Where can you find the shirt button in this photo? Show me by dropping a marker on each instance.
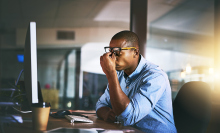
(127, 87)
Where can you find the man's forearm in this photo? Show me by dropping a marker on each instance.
(101, 112)
(118, 98)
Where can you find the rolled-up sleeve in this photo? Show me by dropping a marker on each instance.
(104, 100)
(144, 100)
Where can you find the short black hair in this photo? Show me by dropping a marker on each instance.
(130, 37)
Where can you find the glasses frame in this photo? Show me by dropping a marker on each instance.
(111, 49)
(126, 48)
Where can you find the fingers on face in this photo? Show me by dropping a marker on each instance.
(107, 54)
(113, 56)
(104, 55)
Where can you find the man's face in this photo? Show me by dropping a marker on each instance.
(125, 60)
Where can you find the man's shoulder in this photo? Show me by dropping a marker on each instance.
(150, 70)
(147, 65)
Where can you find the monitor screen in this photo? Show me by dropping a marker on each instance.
(30, 64)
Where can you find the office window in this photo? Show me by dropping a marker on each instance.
(181, 42)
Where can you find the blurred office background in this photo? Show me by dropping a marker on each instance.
(71, 35)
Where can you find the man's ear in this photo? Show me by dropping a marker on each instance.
(136, 53)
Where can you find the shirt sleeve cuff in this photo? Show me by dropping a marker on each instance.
(125, 113)
(99, 106)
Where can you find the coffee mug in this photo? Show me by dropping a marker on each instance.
(40, 115)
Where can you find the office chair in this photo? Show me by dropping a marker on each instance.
(192, 107)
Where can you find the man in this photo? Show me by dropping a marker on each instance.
(138, 92)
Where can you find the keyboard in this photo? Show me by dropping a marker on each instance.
(73, 118)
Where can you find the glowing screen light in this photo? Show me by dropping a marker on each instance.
(20, 57)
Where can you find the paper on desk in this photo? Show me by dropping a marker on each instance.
(119, 131)
(112, 131)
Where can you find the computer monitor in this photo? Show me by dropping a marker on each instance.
(30, 65)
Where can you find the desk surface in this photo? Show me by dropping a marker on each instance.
(54, 123)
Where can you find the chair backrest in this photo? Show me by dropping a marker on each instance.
(192, 107)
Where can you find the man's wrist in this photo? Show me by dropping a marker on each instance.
(111, 74)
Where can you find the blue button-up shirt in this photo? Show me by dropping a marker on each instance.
(150, 107)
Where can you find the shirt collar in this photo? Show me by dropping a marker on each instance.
(137, 70)
(142, 64)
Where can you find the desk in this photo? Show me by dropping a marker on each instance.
(26, 127)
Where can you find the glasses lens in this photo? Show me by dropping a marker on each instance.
(116, 51)
(107, 49)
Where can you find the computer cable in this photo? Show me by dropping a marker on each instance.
(20, 110)
(19, 76)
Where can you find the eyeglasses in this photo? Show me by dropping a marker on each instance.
(117, 50)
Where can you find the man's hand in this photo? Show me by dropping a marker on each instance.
(106, 114)
(107, 62)
(110, 116)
